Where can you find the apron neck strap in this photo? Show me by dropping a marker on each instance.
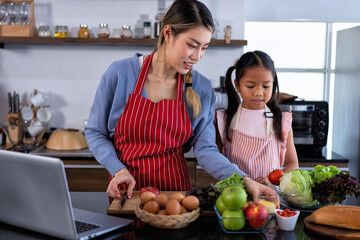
(143, 74)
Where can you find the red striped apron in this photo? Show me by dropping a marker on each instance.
(149, 138)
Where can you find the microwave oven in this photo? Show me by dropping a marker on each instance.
(310, 121)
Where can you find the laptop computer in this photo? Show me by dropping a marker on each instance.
(35, 196)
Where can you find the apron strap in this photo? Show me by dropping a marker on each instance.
(143, 74)
(180, 87)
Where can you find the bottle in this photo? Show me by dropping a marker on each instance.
(83, 32)
(126, 32)
(147, 29)
(158, 22)
(104, 31)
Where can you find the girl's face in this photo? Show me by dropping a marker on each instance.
(187, 48)
(255, 87)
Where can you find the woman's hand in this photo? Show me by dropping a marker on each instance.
(121, 177)
(255, 189)
(266, 182)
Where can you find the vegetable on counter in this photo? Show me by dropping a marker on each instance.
(297, 184)
(320, 172)
(233, 180)
(274, 176)
(336, 188)
(206, 195)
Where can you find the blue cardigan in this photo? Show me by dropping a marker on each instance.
(116, 84)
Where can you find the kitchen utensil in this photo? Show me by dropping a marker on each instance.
(37, 99)
(331, 232)
(14, 122)
(123, 199)
(62, 139)
(10, 102)
(43, 114)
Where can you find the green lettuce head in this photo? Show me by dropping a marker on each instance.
(296, 185)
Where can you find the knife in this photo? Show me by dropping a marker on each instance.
(10, 101)
(17, 103)
(124, 197)
(13, 102)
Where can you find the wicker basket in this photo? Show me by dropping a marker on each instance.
(167, 221)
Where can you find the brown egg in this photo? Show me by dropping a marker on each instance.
(191, 202)
(161, 199)
(162, 212)
(173, 207)
(177, 196)
(147, 196)
(183, 210)
(151, 207)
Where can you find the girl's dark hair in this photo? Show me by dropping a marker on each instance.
(182, 16)
(252, 59)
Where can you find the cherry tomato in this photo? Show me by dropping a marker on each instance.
(286, 213)
(274, 176)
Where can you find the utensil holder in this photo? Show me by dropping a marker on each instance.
(28, 30)
(15, 131)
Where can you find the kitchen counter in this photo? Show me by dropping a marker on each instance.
(202, 229)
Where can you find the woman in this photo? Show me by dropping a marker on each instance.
(149, 110)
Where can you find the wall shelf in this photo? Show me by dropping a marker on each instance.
(103, 41)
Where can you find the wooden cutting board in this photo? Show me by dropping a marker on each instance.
(331, 232)
(130, 204)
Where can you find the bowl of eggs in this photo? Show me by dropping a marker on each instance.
(168, 211)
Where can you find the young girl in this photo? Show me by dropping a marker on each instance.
(254, 133)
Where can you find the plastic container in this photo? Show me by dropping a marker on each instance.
(84, 32)
(286, 223)
(104, 31)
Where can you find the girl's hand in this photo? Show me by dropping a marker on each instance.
(121, 177)
(266, 182)
(255, 189)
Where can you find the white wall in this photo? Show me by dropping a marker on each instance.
(69, 74)
(318, 10)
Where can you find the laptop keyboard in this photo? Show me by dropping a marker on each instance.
(83, 226)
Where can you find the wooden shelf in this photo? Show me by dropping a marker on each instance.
(103, 41)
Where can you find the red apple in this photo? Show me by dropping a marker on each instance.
(149, 189)
(257, 215)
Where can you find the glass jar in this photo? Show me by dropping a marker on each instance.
(44, 31)
(104, 31)
(61, 31)
(147, 29)
(84, 32)
(126, 32)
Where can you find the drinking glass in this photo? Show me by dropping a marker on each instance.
(13, 13)
(3, 13)
(24, 13)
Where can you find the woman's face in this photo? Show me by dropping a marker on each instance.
(255, 87)
(185, 49)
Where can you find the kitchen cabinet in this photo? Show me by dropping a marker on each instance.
(103, 41)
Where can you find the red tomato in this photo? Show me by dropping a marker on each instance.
(274, 176)
(286, 213)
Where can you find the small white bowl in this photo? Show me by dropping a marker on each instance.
(286, 223)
